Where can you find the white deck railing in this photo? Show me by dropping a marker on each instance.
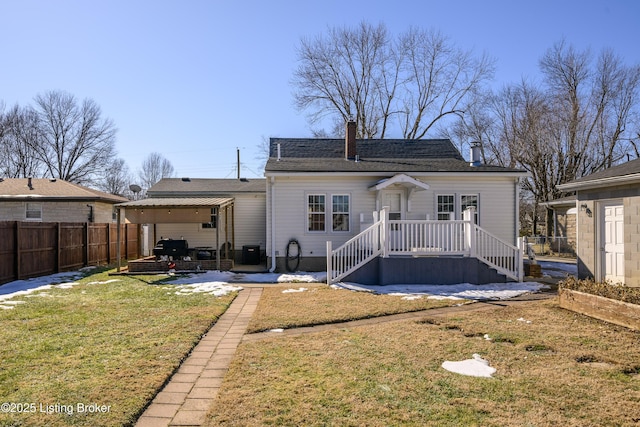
(423, 238)
(355, 252)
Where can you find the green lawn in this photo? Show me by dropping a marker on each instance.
(97, 353)
(554, 368)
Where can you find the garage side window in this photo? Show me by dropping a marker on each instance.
(315, 212)
(33, 212)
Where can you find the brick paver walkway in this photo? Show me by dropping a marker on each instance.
(187, 397)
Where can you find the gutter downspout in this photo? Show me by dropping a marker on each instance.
(272, 193)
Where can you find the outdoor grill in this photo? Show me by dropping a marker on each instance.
(171, 248)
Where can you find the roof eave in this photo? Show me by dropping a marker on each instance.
(600, 183)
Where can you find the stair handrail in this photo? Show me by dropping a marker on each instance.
(496, 253)
(355, 252)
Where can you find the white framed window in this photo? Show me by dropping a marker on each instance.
(33, 212)
(451, 206)
(340, 208)
(446, 207)
(316, 212)
(469, 200)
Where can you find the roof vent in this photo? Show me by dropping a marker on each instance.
(186, 179)
(52, 180)
(29, 183)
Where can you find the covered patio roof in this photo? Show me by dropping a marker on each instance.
(178, 202)
(186, 210)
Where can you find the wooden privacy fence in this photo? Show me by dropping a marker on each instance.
(32, 249)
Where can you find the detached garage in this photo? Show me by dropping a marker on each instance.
(608, 224)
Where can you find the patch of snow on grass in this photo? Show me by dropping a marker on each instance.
(475, 367)
(25, 287)
(289, 291)
(212, 282)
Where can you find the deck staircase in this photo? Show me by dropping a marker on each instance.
(422, 238)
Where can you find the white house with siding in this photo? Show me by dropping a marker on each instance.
(329, 190)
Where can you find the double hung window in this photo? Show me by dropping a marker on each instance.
(319, 214)
(452, 206)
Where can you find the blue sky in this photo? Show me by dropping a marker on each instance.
(194, 80)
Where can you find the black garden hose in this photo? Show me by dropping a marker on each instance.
(295, 257)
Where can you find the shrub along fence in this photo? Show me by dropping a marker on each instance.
(32, 249)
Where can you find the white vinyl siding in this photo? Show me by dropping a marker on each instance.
(496, 205)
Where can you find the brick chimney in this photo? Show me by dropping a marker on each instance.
(350, 141)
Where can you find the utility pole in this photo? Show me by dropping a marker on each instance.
(238, 153)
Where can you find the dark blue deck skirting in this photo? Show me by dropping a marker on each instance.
(425, 270)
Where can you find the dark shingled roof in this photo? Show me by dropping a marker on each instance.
(167, 187)
(374, 155)
(629, 168)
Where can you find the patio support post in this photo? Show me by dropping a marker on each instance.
(226, 231)
(217, 210)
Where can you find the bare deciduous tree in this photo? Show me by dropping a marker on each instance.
(116, 179)
(74, 141)
(411, 82)
(154, 168)
(582, 119)
(593, 103)
(19, 133)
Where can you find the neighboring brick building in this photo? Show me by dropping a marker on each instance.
(54, 200)
(608, 223)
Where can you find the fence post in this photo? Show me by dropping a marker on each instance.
(329, 262)
(85, 261)
(18, 263)
(108, 226)
(58, 248)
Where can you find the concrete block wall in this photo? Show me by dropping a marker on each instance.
(632, 241)
(586, 232)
